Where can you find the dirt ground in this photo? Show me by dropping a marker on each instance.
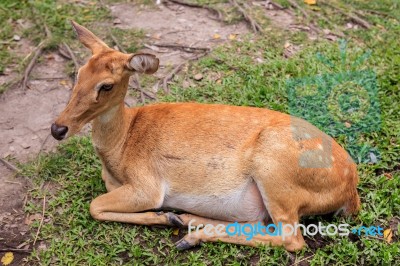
(26, 115)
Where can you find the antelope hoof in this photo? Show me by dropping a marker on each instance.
(174, 220)
(183, 244)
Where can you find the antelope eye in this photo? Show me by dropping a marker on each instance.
(106, 87)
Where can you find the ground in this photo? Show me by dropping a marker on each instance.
(231, 64)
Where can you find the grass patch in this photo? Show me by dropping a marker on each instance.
(234, 75)
(28, 20)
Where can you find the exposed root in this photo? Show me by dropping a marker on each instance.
(143, 93)
(254, 25)
(356, 19)
(193, 5)
(9, 165)
(38, 51)
(312, 27)
(43, 143)
(41, 220)
(73, 57)
(18, 250)
(295, 5)
(176, 70)
(170, 76)
(184, 48)
(142, 99)
(120, 47)
(275, 5)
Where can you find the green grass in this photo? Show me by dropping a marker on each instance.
(29, 19)
(232, 75)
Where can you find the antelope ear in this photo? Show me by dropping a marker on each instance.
(144, 63)
(87, 38)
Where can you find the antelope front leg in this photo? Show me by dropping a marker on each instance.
(123, 204)
(110, 182)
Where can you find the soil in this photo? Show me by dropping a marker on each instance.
(178, 25)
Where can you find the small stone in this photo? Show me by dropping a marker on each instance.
(117, 21)
(259, 60)
(16, 38)
(198, 76)
(373, 158)
(12, 148)
(25, 145)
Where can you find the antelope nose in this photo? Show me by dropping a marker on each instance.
(58, 132)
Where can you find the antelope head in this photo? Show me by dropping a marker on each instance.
(101, 84)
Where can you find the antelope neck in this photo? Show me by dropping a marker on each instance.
(108, 128)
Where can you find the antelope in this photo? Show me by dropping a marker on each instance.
(214, 164)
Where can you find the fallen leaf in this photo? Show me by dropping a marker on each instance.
(232, 37)
(347, 124)
(7, 258)
(156, 36)
(388, 175)
(64, 82)
(175, 232)
(287, 45)
(310, 2)
(387, 235)
(216, 36)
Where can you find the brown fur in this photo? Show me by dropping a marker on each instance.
(220, 163)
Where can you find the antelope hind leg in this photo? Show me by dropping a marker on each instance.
(292, 241)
